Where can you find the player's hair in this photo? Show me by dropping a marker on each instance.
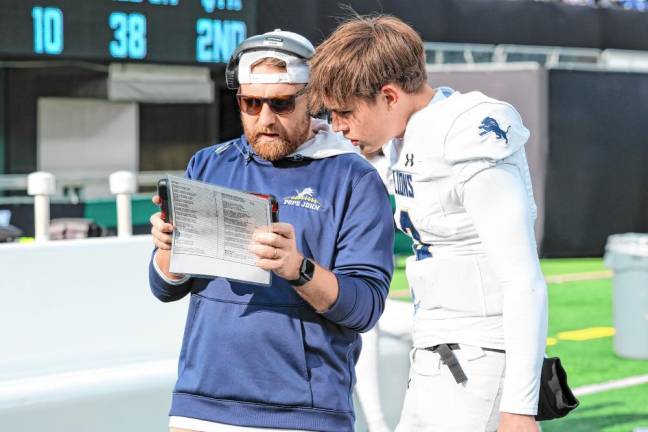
(362, 55)
(270, 62)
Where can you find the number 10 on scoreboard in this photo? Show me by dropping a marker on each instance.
(48, 30)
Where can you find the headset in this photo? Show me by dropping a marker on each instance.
(276, 40)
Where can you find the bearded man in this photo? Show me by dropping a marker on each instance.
(282, 357)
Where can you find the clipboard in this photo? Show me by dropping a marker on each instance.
(213, 227)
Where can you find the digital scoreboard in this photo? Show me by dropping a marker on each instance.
(155, 31)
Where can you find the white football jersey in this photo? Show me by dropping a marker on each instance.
(475, 277)
(445, 144)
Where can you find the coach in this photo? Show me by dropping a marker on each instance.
(282, 357)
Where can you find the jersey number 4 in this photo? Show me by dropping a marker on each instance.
(422, 250)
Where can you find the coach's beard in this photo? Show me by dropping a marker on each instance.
(280, 144)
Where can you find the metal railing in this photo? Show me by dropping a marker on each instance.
(18, 182)
(440, 53)
(41, 186)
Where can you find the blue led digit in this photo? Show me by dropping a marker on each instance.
(129, 32)
(37, 15)
(119, 46)
(204, 40)
(53, 34)
(48, 30)
(137, 36)
(238, 33)
(221, 41)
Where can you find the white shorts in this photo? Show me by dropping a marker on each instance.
(434, 402)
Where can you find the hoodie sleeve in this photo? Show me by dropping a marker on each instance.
(364, 262)
(163, 288)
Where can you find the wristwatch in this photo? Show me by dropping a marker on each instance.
(306, 272)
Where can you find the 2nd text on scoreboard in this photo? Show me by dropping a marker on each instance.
(153, 31)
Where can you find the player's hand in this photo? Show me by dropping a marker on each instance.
(517, 423)
(160, 230)
(276, 250)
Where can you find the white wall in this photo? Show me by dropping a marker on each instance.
(87, 136)
(85, 345)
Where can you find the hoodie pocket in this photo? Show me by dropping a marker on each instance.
(242, 352)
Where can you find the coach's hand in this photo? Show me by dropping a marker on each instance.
(160, 230)
(276, 250)
(517, 423)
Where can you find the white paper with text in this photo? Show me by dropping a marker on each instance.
(213, 230)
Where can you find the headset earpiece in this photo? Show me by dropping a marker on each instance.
(231, 71)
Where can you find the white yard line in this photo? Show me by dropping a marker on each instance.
(611, 385)
(574, 277)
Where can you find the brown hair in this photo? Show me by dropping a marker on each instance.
(270, 62)
(362, 55)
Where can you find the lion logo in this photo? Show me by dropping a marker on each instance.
(306, 193)
(489, 124)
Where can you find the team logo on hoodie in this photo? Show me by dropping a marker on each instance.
(304, 199)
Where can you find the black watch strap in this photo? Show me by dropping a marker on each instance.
(306, 272)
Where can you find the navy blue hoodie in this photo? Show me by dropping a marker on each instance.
(261, 356)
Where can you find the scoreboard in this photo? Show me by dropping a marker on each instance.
(156, 31)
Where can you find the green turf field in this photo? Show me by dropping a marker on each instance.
(552, 267)
(585, 305)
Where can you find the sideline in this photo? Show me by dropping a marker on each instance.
(574, 277)
(611, 385)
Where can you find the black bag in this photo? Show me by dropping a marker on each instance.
(75, 228)
(9, 233)
(556, 398)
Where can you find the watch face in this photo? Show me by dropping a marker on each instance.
(308, 269)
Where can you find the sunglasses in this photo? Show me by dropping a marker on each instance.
(280, 105)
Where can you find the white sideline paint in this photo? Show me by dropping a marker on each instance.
(611, 385)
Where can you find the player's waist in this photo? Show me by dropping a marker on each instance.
(458, 286)
(439, 326)
(448, 248)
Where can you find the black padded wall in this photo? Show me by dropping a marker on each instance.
(597, 178)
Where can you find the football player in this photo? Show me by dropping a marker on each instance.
(463, 193)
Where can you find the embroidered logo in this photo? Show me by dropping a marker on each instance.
(409, 159)
(489, 124)
(304, 199)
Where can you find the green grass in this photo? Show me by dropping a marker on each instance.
(579, 305)
(550, 267)
(620, 410)
(399, 280)
(575, 306)
(558, 266)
